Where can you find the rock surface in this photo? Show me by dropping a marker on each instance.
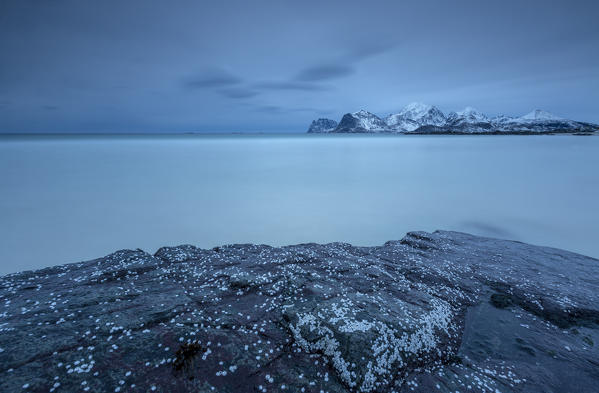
(322, 125)
(360, 122)
(441, 312)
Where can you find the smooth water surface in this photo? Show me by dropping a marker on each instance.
(66, 199)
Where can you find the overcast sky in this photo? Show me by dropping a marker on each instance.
(230, 66)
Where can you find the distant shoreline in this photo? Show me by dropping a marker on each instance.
(382, 133)
(471, 133)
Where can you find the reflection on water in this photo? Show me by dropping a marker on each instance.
(66, 199)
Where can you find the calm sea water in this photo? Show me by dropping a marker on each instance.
(67, 199)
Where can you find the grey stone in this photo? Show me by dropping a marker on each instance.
(442, 311)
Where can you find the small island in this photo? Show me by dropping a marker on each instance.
(418, 118)
(442, 311)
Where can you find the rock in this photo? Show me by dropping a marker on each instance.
(440, 311)
(360, 122)
(322, 126)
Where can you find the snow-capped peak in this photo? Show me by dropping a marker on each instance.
(368, 121)
(472, 115)
(538, 114)
(416, 108)
(422, 114)
(467, 111)
(362, 113)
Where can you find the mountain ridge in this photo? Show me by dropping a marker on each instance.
(419, 118)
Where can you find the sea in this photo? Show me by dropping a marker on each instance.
(70, 198)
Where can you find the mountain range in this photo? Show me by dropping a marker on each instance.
(419, 118)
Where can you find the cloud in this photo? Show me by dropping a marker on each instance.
(369, 50)
(231, 86)
(291, 85)
(324, 72)
(281, 109)
(343, 67)
(212, 79)
(238, 92)
(271, 109)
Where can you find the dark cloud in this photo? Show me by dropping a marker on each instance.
(280, 109)
(325, 72)
(212, 79)
(291, 85)
(274, 109)
(50, 107)
(238, 92)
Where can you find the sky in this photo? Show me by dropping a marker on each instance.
(274, 66)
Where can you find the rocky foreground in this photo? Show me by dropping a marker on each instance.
(433, 312)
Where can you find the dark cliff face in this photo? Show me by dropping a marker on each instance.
(361, 122)
(433, 312)
(322, 125)
(349, 124)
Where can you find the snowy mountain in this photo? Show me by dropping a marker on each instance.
(540, 121)
(361, 121)
(418, 118)
(322, 125)
(399, 123)
(471, 115)
(415, 115)
(423, 114)
(469, 120)
(538, 114)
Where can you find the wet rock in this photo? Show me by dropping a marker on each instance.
(442, 311)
